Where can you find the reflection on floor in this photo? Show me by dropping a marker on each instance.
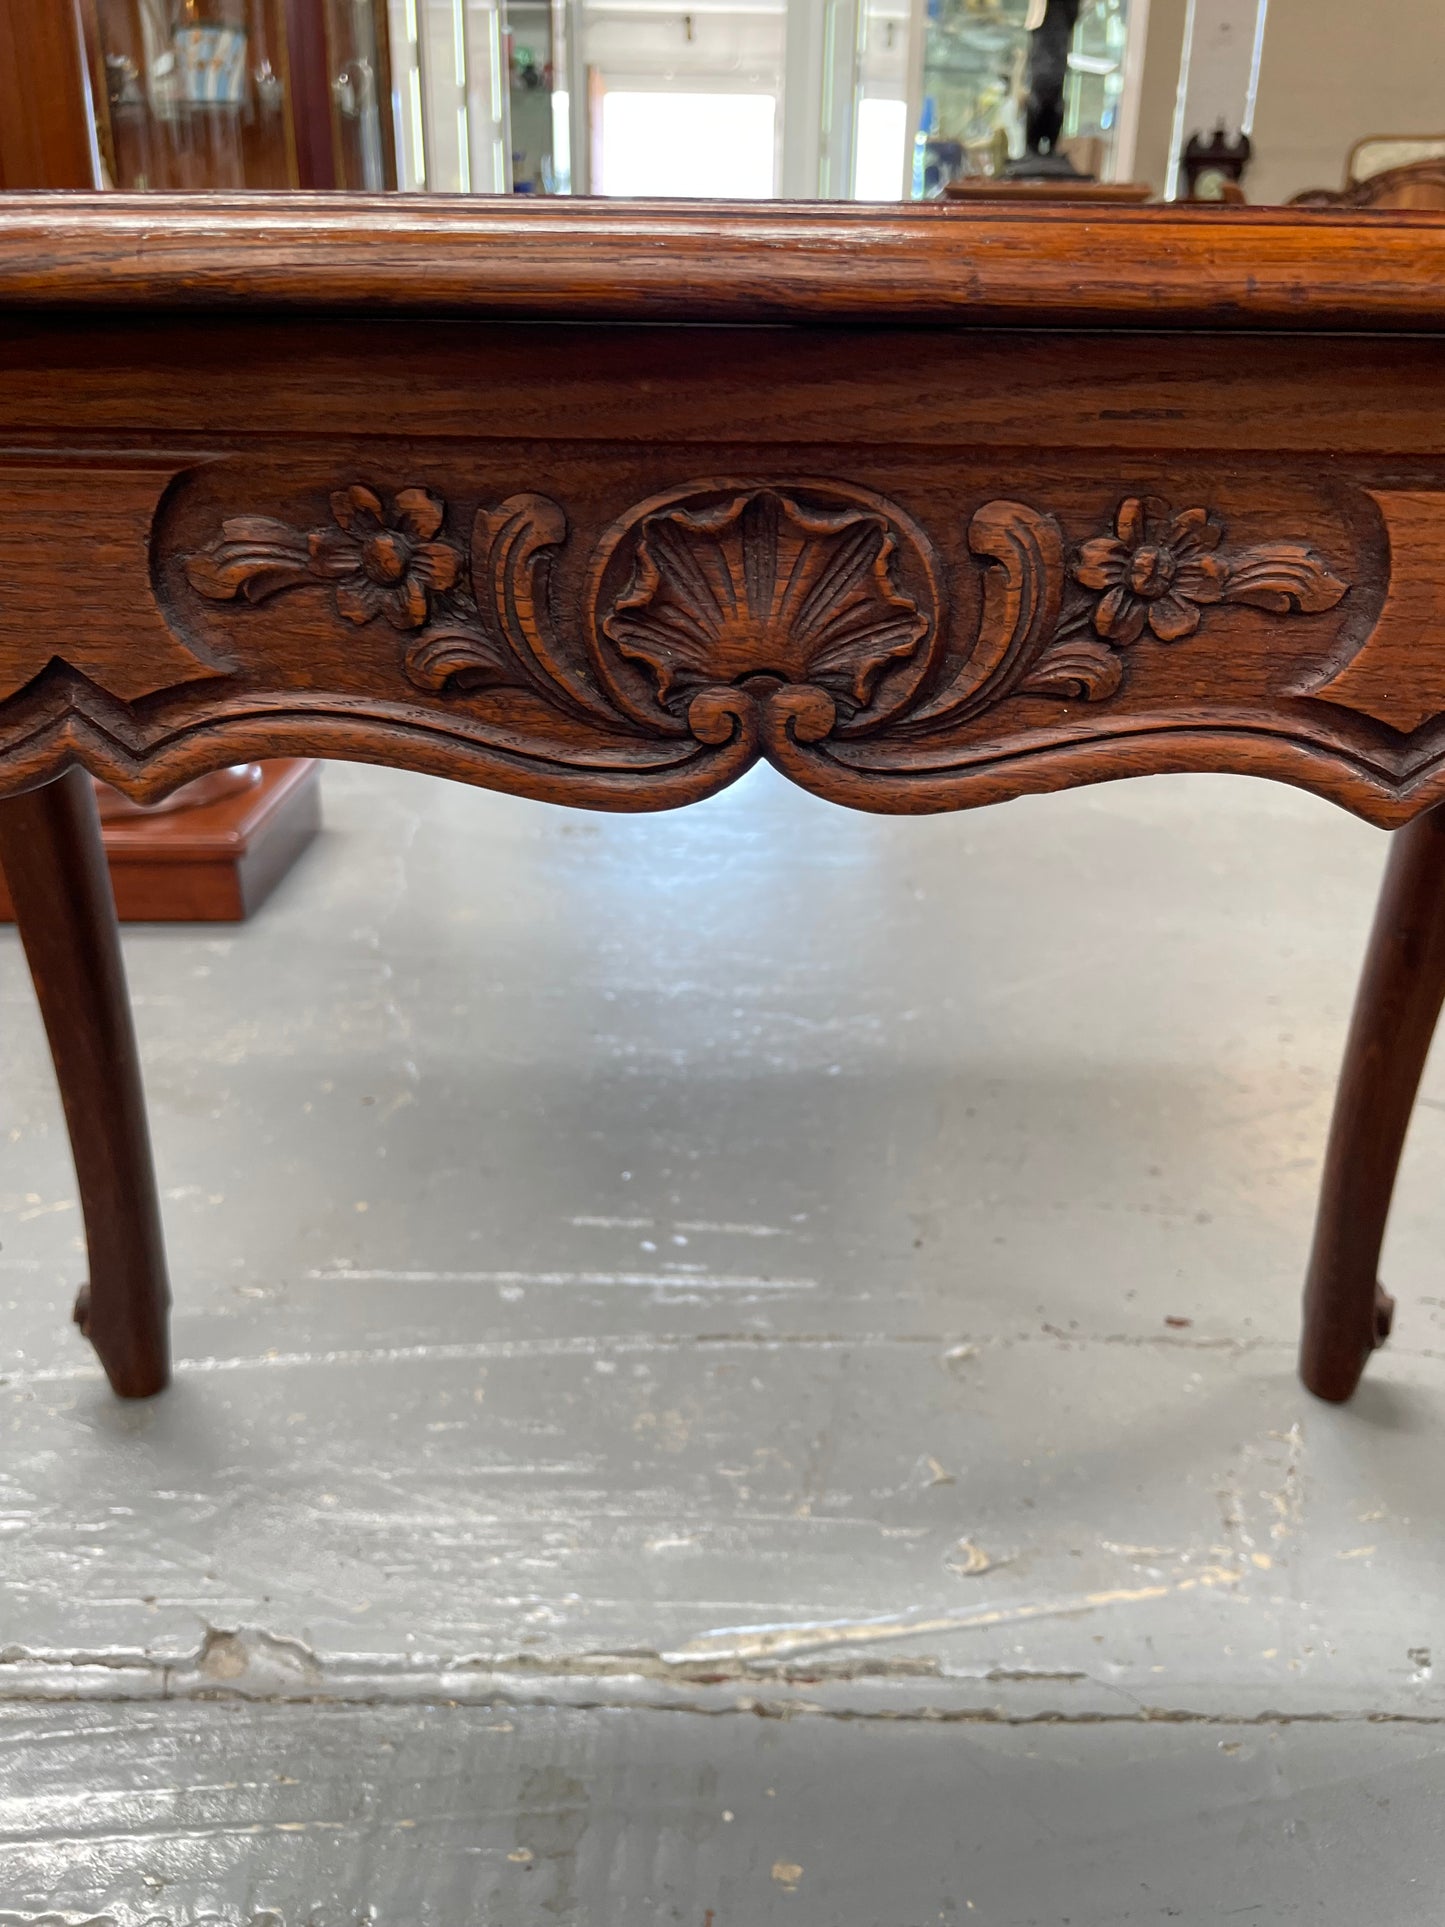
(734, 1368)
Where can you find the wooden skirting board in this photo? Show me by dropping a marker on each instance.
(215, 863)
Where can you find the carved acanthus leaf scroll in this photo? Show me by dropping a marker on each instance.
(781, 614)
(256, 557)
(1077, 669)
(1021, 597)
(495, 641)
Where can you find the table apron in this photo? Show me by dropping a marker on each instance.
(915, 570)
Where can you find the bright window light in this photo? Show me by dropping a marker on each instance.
(878, 164)
(561, 142)
(712, 146)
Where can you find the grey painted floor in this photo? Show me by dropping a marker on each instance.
(761, 1312)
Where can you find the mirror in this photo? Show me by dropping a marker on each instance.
(744, 100)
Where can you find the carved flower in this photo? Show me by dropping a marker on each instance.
(1157, 568)
(762, 586)
(384, 562)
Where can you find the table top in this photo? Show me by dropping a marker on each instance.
(1048, 266)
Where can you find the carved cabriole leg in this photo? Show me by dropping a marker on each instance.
(1401, 990)
(50, 851)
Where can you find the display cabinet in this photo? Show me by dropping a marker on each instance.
(232, 94)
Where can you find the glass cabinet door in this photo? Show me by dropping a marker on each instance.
(358, 72)
(198, 94)
(195, 93)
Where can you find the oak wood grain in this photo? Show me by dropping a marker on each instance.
(813, 262)
(598, 504)
(220, 380)
(55, 869)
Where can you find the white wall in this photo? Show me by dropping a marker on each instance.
(1331, 72)
(1334, 71)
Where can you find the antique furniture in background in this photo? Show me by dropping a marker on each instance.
(940, 506)
(1214, 166)
(207, 94)
(47, 126)
(1389, 171)
(217, 854)
(198, 94)
(220, 846)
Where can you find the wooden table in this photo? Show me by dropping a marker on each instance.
(597, 503)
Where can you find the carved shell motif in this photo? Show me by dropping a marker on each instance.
(764, 615)
(761, 586)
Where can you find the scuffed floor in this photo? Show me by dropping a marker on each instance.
(338, 1815)
(757, 1298)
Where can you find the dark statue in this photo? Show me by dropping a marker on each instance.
(1049, 45)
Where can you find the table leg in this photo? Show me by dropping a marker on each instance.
(50, 851)
(1402, 986)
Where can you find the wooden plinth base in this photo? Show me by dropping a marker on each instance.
(216, 863)
(1025, 193)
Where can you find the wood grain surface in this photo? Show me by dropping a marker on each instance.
(807, 262)
(558, 530)
(978, 502)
